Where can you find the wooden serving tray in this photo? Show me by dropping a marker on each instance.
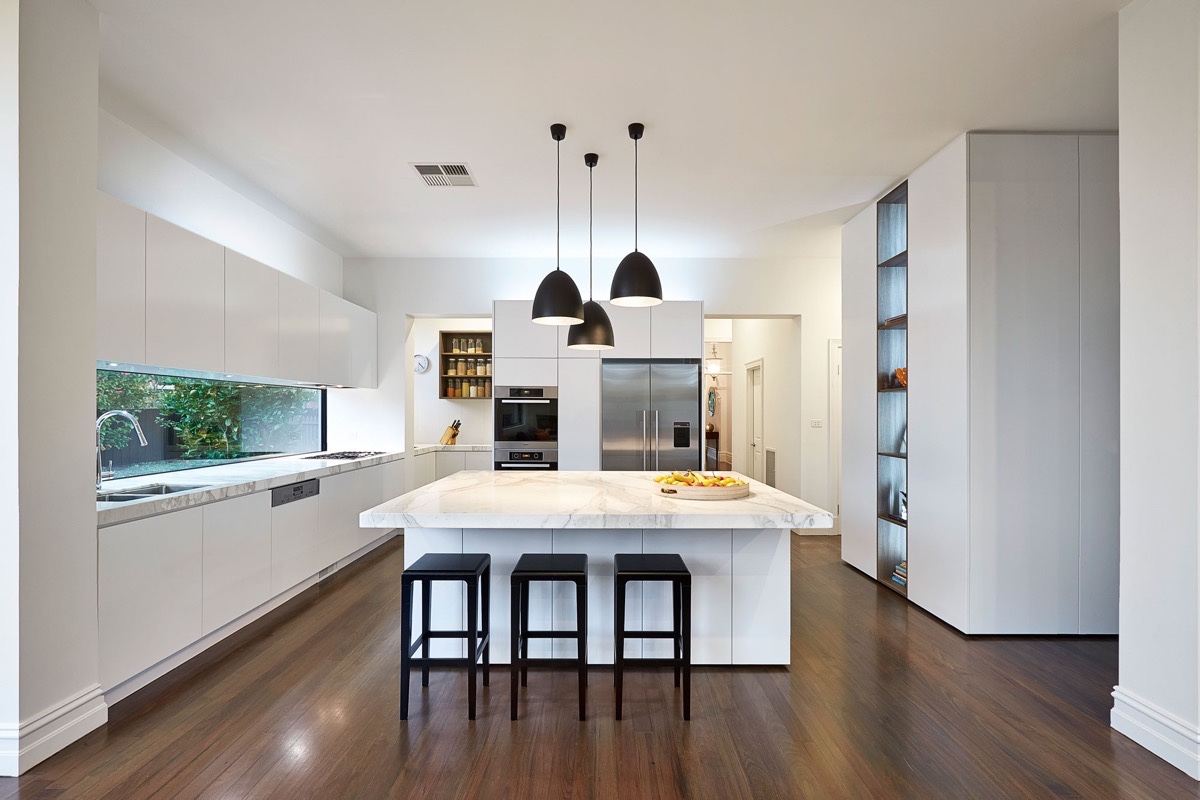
(703, 492)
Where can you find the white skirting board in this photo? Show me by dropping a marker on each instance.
(1167, 736)
(44, 734)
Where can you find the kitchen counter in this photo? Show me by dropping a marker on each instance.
(738, 551)
(224, 482)
(422, 449)
(567, 499)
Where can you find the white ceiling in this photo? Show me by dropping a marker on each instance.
(767, 123)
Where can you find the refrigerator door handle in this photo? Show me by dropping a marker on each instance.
(657, 443)
(644, 467)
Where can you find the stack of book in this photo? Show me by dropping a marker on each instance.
(900, 574)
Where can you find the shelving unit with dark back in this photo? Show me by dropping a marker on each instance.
(450, 378)
(892, 397)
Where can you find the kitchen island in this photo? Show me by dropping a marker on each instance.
(737, 550)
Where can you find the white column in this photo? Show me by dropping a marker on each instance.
(49, 673)
(1157, 702)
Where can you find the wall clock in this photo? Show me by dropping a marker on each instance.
(420, 363)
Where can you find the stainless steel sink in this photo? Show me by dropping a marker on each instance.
(144, 492)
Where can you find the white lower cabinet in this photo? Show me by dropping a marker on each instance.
(479, 460)
(339, 505)
(297, 547)
(237, 558)
(149, 591)
(709, 558)
(449, 463)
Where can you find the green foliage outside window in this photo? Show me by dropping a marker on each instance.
(211, 419)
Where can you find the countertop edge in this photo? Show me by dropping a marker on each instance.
(109, 514)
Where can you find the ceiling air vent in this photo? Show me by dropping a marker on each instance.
(445, 174)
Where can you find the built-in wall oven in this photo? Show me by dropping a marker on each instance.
(526, 427)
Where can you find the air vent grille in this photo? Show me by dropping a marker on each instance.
(445, 174)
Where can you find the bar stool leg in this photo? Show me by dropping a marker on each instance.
(406, 597)
(514, 644)
(427, 643)
(487, 625)
(619, 640)
(686, 591)
(472, 642)
(676, 644)
(581, 638)
(524, 630)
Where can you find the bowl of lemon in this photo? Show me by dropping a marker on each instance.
(701, 486)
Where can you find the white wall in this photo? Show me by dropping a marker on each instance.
(398, 288)
(1158, 698)
(431, 414)
(10, 283)
(135, 168)
(59, 698)
(778, 343)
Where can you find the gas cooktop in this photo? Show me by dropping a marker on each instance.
(348, 454)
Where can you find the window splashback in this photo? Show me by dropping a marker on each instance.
(196, 422)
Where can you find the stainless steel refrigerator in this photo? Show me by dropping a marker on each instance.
(650, 415)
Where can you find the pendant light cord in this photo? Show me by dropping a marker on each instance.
(589, 233)
(635, 195)
(558, 210)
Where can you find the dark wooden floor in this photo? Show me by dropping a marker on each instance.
(881, 701)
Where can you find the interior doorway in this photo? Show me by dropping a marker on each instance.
(755, 419)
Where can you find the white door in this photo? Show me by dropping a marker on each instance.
(835, 433)
(754, 420)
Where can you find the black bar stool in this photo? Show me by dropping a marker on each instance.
(473, 569)
(656, 567)
(548, 567)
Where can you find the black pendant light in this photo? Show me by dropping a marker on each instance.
(595, 332)
(636, 283)
(557, 301)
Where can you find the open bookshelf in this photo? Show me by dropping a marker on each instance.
(892, 394)
(465, 365)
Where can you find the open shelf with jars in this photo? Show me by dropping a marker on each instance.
(892, 386)
(465, 365)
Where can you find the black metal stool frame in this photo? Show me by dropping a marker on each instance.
(681, 613)
(478, 637)
(541, 567)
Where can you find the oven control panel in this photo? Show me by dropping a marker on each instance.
(526, 455)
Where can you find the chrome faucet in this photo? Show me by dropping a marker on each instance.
(100, 475)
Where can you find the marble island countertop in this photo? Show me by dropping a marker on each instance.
(560, 500)
(223, 482)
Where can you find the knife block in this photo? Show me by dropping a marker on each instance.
(449, 436)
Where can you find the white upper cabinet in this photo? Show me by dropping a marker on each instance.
(631, 331)
(251, 317)
(185, 298)
(335, 366)
(120, 281)
(299, 330)
(677, 330)
(516, 335)
(674, 329)
(363, 347)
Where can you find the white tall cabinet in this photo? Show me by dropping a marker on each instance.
(1013, 385)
